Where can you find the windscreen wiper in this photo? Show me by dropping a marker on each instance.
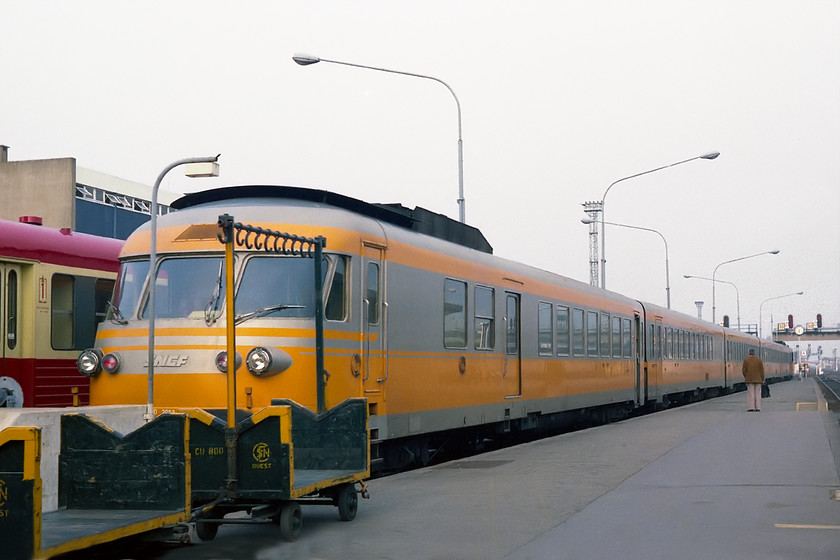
(264, 311)
(211, 310)
(116, 316)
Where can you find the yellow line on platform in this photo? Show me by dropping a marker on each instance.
(788, 526)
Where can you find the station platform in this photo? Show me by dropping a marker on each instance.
(707, 480)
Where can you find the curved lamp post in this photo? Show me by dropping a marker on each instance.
(306, 60)
(667, 273)
(760, 320)
(774, 252)
(711, 155)
(737, 295)
(200, 167)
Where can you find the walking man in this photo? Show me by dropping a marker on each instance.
(753, 370)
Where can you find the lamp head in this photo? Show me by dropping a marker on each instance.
(305, 59)
(587, 221)
(776, 252)
(711, 155)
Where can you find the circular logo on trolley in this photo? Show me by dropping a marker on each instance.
(261, 452)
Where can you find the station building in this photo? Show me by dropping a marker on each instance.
(62, 194)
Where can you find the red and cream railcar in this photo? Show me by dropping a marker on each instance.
(419, 317)
(54, 289)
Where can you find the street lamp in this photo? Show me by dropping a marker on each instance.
(198, 167)
(711, 155)
(760, 320)
(667, 273)
(774, 252)
(737, 295)
(306, 60)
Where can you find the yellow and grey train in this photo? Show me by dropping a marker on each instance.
(417, 316)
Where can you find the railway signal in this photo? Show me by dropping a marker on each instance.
(790, 321)
(819, 320)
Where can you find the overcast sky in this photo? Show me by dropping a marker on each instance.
(558, 98)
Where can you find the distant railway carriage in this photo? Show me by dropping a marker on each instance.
(439, 335)
(54, 289)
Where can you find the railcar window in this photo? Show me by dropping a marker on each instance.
(649, 341)
(563, 330)
(669, 343)
(605, 335)
(11, 309)
(485, 318)
(626, 338)
(512, 316)
(185, 286)
(592, 332)
(129, 289)
(270, 281)
(102, 289)
(545, 334)
(372, 290)
(454, 314)
(336, 306)
(61, 314)
(577, 332)
(658, 342)
(616, 337)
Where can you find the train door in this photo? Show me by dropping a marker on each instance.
(513, 347)
(10, 330)
(655, 349)
(374, 321)
(641, 375)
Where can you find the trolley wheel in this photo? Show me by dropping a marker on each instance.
(206, 531)
(291, 521)
(347, 502)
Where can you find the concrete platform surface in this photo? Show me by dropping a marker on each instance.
(704, 481)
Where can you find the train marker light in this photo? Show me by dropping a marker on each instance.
(221, 361)
(89, 362)
(111, 362)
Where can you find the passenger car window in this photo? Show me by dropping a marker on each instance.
(454, 314)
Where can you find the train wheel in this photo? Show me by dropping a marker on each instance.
(347, 502)
(206, 531)
(291, 521)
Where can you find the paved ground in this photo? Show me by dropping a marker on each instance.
(705, 481)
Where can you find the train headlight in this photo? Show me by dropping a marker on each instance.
(264, 362)
(89, 361)
(111, 362)
(221, 361)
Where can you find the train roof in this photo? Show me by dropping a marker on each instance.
(418, 219)
(58, 246)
